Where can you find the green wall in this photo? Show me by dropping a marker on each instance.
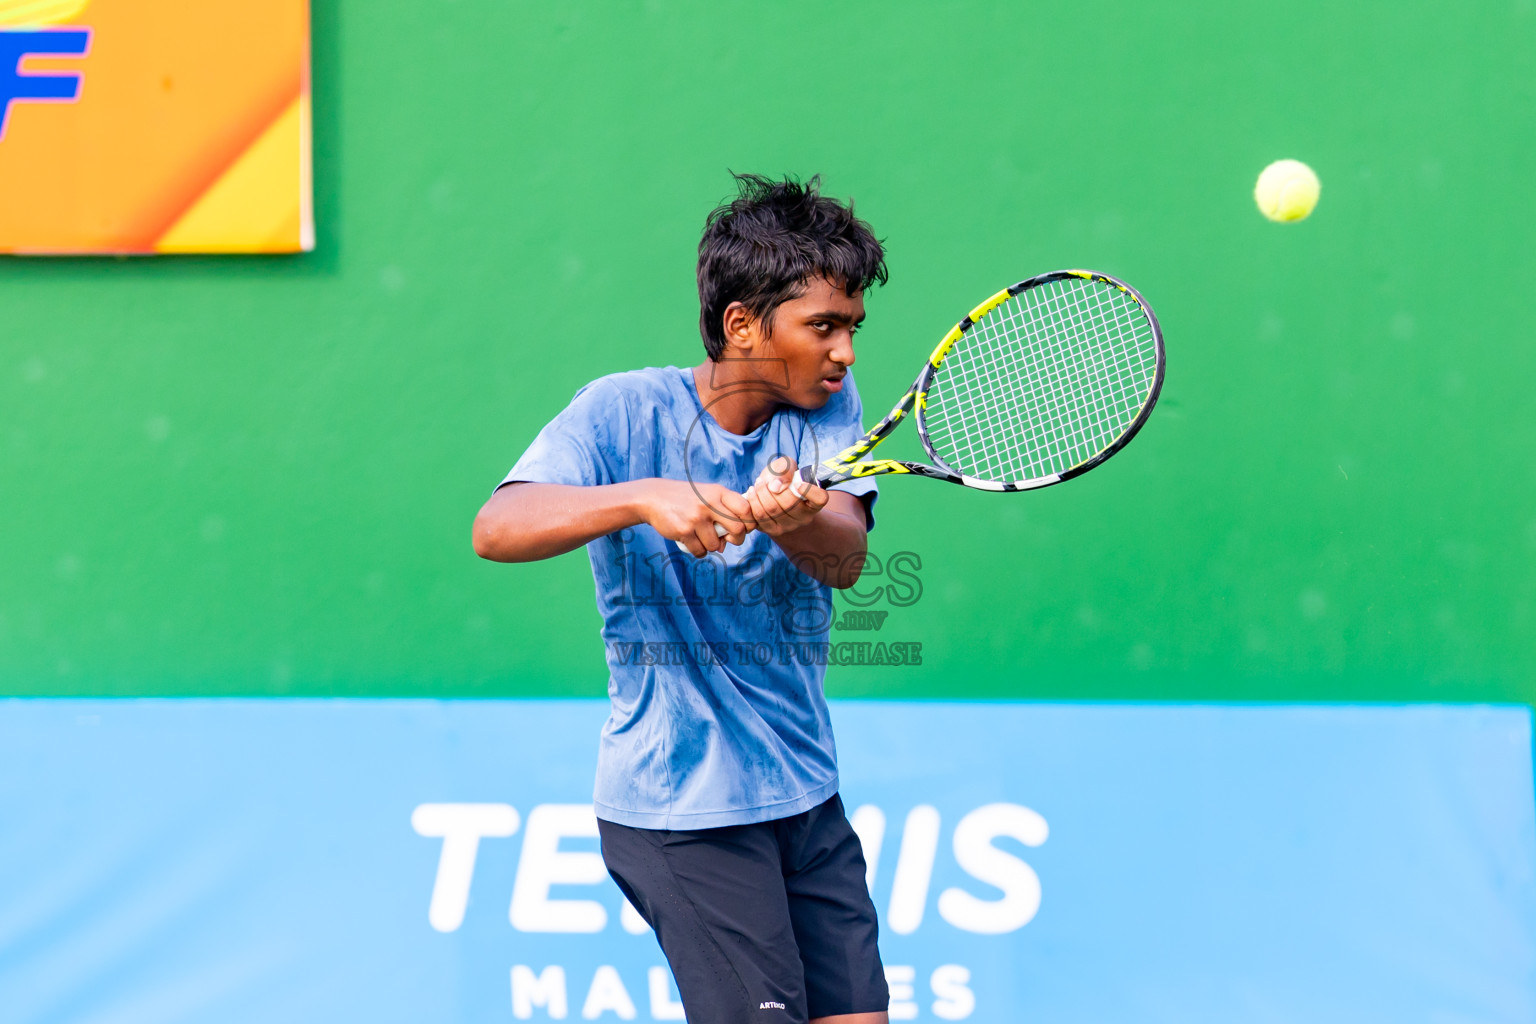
(257, 476)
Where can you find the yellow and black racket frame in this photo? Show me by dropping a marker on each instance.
(851, 464)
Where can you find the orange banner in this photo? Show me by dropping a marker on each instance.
(144, 126)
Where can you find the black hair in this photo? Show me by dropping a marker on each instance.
(762, 247)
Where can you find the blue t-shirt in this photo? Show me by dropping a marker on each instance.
(715, 664)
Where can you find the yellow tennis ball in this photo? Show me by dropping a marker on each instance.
(1287, 190)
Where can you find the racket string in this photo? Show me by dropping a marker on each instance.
(1041, 384)
(1080, 372)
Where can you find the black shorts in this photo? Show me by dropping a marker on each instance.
(768, 923)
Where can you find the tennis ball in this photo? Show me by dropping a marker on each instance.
(1287, 190)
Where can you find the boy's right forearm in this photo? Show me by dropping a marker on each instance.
(525, 522)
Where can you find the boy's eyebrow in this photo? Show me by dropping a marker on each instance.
(842, 318)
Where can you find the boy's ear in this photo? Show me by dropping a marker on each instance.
(740, 327)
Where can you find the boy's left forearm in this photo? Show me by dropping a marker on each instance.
(831, 546)
(823, 532)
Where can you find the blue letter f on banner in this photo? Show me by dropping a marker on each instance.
(47, 87)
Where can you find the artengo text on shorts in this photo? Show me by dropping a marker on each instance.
(542, 865)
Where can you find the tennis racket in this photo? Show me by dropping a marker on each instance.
(1040, 383)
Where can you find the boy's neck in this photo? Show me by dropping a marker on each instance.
(740, 394)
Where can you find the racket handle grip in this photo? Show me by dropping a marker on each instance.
(719, 532)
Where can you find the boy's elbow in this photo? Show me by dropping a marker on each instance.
(844, 580)
(850, 567)
(512, 526)
(488, 536)
(480, 537)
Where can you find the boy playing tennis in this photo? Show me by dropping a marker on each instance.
(717, 790)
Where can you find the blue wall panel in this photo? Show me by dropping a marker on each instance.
(234, 861)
